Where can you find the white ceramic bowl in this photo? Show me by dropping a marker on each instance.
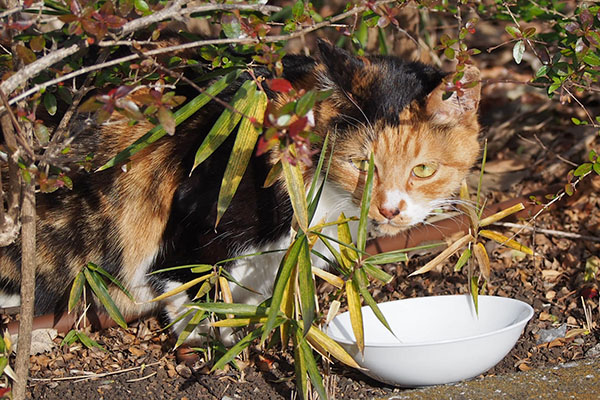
(442, 338)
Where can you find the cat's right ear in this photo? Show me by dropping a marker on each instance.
(341, 66)
(455, 109)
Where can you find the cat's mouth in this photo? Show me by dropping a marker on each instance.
(387, 228)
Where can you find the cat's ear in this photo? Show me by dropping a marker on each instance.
(341, 66)
(455, 109)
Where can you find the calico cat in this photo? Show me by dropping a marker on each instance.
(155, 214)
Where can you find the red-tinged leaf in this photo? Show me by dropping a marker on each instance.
(569, 189)
(589, 292)
(5, 391)
(167, 120)
(297, 126)
(280, 85)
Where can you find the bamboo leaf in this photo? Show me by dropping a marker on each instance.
(295, 186)
(388, 258)
(285, 270)
(377, 273)
(501, 214)
(180, 115)
(3, 364)
(475, 293)
(328, 277)
(242, 310)
(443, 256)
(226, 122)
(311, 366)
(76, 290)
(99, 288)
(375, 308)
(226, 292)
(237, 349)
(344, 235)
(498, 237)
(238, 322)
(361, 240)
(356, 319)
(334, 307)
(189, 328)
(306, 286)
(111, 278)
(319, 338)
(181, 288)
(241, 153)
(273, 175)
(464, 257)
(69, 338)
(313, 186)
(87, 341)
(202, 268)
(300, 369)
(205, 288)
(287, 305)
(483, 260)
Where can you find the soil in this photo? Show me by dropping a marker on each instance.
(532, 144)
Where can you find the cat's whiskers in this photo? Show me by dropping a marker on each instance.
(371, 130)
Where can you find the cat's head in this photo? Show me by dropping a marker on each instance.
(423, 146)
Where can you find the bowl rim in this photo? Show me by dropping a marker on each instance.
(520, 321)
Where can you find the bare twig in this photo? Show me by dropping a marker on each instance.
(551, 232)
(91, 376)
(268, 39)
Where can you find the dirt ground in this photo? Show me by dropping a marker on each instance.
(532, 144)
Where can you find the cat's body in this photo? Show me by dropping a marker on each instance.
(155, 215)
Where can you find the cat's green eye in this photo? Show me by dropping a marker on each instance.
(425, 170)
(360, 164)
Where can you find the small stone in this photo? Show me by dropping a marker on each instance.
(594, 351)
(183, 370)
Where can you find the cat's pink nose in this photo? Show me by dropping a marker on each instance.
(389, 213)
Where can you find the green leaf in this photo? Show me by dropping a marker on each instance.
(99, 288)
(300, 368)
(306, 103)
(311, 366)
(202, 268)
(377, 273)
(375, 308)
(388, 257)
(314, 200)
(226, 122)
(285, 270)
(513, 31)
(583, 169)
(596, 168)
(306, 286)
(189, 328)
(475, 293)
(296, 191)
(273, 175)
(180, 115)
(241, 153)
(50, 103)
(365, 203)
(114, 280)
(542, 71)
(76, 290)
(87, 341)
(3, 364)
(69, 338)
(298, 9)
(518, 51)
(464, 257)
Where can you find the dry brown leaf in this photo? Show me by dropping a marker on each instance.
(550, 275)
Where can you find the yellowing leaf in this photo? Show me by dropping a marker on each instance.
(328, 277)
(498, 237)
(483, 260)
(296, 190)
(237, 322)
(181, 288)
(315, 335)
(356, 318)
(444, 255)
(501, 214)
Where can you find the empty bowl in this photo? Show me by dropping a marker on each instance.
(438, 339)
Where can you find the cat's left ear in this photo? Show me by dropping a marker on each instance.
(341, 65)
(455, 109)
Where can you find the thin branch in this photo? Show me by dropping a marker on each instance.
(268, 39)
(92, 375)
(551, 232)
